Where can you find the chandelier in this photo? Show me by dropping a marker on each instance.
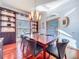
(35, 15)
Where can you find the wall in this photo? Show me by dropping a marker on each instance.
(42, 25)
(71, 10)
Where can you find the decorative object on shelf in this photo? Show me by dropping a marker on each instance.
(8, 25)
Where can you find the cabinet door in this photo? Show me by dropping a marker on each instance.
(51, 28)
(22, 26)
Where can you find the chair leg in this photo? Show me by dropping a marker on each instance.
(44, 54)
(21, 44)
(48, 57)
(26, 52)
(65, 56)
(23, 50)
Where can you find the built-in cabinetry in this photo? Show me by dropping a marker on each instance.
(7, 25)
(25, 26)
(14, 24)
(52, 29)
(22, 25)
(34, 26)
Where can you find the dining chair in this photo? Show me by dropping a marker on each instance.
(23, 43)
(33, 46)
(58, 50)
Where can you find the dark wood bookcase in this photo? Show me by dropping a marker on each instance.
(34, 26)
(8, 25)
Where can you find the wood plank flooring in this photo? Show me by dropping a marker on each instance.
(9, 52)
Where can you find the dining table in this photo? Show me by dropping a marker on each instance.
(44, 41)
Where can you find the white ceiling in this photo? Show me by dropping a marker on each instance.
(25, 5)
(28, 5)
(51, 5)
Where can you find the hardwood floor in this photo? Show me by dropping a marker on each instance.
(9, 52)
(40, 56)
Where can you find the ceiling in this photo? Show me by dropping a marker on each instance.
(25, 5)
(51, 5)
(28, 5)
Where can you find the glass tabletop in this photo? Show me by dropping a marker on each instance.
(44, 39)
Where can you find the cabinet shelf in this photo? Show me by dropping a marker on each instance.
(7, 20)
(6, 29)
(7, 15)
(8, 26)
